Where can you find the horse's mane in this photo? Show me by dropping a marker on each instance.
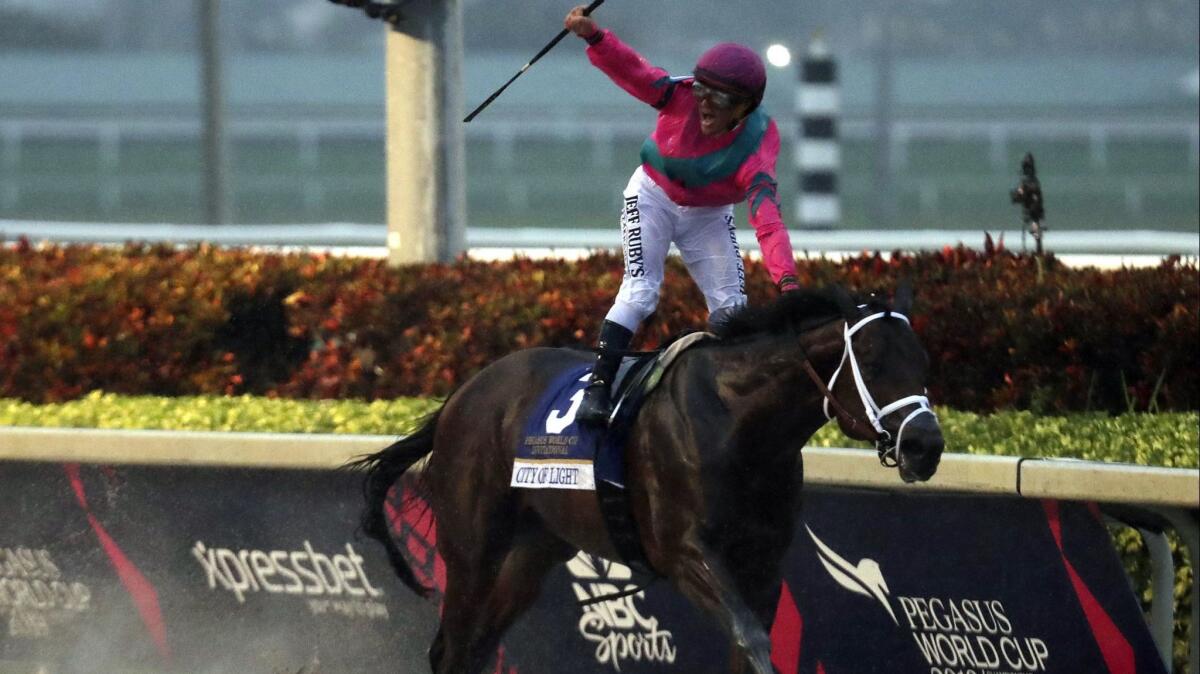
(790, 313)
(787, 314)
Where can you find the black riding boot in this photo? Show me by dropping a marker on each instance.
(596, 407)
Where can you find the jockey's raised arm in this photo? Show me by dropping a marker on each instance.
(630, 70)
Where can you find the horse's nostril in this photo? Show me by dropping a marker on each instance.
(934, 445)
(920, 456)
(924, 445)
(925, 434)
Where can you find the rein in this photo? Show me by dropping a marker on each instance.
(616, 595)
(885, 445)
(841, 412)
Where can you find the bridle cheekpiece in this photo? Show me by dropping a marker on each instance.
(885, 444)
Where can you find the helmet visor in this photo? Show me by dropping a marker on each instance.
(719, 98)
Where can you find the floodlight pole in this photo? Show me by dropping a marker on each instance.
(215, 146)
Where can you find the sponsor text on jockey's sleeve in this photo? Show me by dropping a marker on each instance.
(698, 170)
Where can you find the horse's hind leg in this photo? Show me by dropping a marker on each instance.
(437, 651)
(505, 593)
(459, 616)
(699, 575)
(471, 540)
(517, 588)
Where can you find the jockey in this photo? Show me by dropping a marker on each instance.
(711, 148)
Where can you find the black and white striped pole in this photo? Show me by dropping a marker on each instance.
(818, 153)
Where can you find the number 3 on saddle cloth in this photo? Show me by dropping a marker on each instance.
(556, 452)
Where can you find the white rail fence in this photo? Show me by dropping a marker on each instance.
(1158, 498)
(1087, 247)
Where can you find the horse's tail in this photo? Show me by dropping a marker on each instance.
(383, 469)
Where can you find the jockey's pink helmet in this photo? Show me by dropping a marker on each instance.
(734, 68)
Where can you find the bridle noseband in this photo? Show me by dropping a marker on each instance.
(885, 445)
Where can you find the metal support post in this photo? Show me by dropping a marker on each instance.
(426, 202)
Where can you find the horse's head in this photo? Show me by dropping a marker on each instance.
(880, 385)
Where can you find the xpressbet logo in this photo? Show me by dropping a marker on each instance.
(865, 578)
(302, 572)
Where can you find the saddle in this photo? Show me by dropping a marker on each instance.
(636, 377)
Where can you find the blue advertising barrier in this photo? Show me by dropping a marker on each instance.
(159, 569)
(874, 582)
(146, 569)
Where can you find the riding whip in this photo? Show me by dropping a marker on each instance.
(550, 45)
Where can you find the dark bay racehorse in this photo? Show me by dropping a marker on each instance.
(713, 467)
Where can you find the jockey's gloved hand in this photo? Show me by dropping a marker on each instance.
(787, 283)
(580, 24)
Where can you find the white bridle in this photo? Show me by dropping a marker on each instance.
(875, 414)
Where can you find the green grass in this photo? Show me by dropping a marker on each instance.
(1149, 157)
(572, 182)
(148, 157)
(1148, 439)
(351, 157)
(944, 157)
(214, 413)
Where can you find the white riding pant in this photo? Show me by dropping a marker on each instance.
(706, 239)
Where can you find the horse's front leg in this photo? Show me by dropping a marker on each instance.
(700, 576)
(763, 602)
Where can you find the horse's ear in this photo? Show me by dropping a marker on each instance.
(845, 303)
(902, 304)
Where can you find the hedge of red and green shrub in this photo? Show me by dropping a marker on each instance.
(1004, 331)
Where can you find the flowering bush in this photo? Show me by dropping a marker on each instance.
(1004, 331)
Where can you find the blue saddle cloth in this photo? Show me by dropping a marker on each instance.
(557, 452)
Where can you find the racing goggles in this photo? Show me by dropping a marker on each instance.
(721, 99)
